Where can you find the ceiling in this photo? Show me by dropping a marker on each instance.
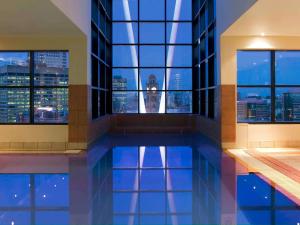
(270, 18)
(34, 18)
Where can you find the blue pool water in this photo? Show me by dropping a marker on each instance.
(121, 181)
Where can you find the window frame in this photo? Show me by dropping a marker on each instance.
(272, 86)
(32, 87)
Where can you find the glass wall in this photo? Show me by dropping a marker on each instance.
(34, 87)
(268, 86)
(204, 57)
(152, 56)
(101, 55)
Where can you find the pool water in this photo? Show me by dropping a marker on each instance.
(120, 182)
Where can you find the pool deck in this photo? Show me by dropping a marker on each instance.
(281, 166)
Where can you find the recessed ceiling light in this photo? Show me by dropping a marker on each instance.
(262, 34)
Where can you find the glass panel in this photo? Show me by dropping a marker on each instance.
(180, 202)
(129, 202)
(179, 157)
(152, 180)
(181, 57)
(51, 105)
(253, 104)
(287, 67)
(254, 67)
(152, 33)
(125, 56)
(119, 10)
(18, 217)
(120, 220)
(124, 102)
(287, 217)
(14, 105)
(152, 220)
(125, 33)
(152, 101)
(124, 79)
(50, 218)
(185, 12)
(51, 68)
(152, 10)
(179, 102)
(179, 79)
(152, 157)
(125, 157)
(15, 190)
(125, 180)
(179, 180)
(151, 56)
(152, 79)
(152, 202)
(14, 69)
(250, 217)
(287, 104)
(52, 190)
(183, 34)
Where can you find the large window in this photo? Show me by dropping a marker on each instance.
(152, 56)
(204, 57)
(34, 87)
(268, 86)
(101, 57)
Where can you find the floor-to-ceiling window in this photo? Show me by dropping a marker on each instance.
(101, 57)
(152, 56)
(204, 57)
(268, 86)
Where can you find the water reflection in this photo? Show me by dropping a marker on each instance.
(139, 185)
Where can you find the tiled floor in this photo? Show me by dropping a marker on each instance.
(279, 165)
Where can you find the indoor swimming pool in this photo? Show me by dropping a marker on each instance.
(121, 181)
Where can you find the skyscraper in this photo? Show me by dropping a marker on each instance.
(152, 96)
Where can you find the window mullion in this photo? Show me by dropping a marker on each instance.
(31, 89)
(273, 86)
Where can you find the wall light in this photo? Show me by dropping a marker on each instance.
(259, 43)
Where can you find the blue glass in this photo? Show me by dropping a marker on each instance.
(124, 79)
(152, 180)
(254, 217)
(152, 10)
(179, 102)
(152, 220)
(185, 12)
(254, 104)
(122, 220)
(122, 32)
(125, 202)
(182, 56)
(180, 180)
(180, 219)
(152, 56)
(124, 102)
(152, 202)
(14, 68)
(125, 157)
(152, 100)
(282, 200)
(125, 56)
(287, 104)
(125, 180)
(54, 217)
(17, 217)
(253, 191)
(152, 78)
(180, 157)
(153, 157)
(179, 79)
(287, 67)
(14, 190)
(180, 202)
(183, 34)
(152, 33)
(119, 9)
(52, 190)
(287, 217)
(253, 67)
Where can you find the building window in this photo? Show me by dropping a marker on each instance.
(152, 56)
(101, 54)
(268, 86)
(34, 87)
(204, 67)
